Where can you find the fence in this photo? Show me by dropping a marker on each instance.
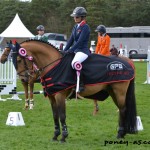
(7, 78)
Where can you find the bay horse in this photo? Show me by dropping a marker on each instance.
(53, 69)
(27, 81)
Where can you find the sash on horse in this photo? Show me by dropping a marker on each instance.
(97, 69)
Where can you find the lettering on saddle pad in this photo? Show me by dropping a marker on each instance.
(117, 68)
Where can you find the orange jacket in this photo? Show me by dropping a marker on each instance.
(103, 44)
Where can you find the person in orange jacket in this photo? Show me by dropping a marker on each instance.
(103, 42)
(102, 48)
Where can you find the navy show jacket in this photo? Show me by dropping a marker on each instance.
(79, 38)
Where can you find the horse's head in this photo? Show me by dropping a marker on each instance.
(10, 47)
(24, 66)
(6, 52)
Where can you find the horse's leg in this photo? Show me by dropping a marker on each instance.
(31, 84)
(25, 85)
(60, 99)
(119, 96)
(55, 117)
(96, 107)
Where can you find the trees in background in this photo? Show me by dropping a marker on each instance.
(55, 14)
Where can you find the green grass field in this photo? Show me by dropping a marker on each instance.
(86, 132)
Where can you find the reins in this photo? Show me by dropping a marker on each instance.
(42, 69)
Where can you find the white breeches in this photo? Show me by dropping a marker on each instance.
(79, 57)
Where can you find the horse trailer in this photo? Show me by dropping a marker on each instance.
(135, 39)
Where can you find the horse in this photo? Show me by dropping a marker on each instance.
(28, 82)
(53, 67)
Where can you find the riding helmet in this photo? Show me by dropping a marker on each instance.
(79, 12)
(40, 27)
(101, 28)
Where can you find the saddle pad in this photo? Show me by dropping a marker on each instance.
(97, 69)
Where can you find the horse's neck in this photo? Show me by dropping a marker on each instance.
(45, 56)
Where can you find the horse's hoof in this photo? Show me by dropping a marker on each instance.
(121, 135)
(26, 108)
(54, 140)
(31, 106)
(95, 113)
(62, 141)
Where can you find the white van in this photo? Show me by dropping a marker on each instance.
(58, 40)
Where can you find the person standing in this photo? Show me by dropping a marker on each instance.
(103, 43)
(41, 31)
(78, 41)
(102, 48)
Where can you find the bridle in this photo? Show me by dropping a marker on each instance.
(27, 70)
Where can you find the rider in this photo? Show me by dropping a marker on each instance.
(103, 43)
(78, 41)
(41, 30)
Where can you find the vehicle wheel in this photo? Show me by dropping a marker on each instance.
(133, 52)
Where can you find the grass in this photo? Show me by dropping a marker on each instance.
(85, 130)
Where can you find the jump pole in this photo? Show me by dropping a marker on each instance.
(148, 67)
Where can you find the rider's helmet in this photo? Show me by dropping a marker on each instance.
(79, 12)
(40, 28)
(101, 28)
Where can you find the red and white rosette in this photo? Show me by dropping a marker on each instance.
(77, 66)
(22, 52)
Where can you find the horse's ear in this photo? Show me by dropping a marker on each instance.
(7, 44)
(17, 44)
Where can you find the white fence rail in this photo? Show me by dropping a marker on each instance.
(7, 77)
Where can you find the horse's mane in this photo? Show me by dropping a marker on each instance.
(41, 42)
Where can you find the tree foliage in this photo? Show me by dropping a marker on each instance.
(55, 14)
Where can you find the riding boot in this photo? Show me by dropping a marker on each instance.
(81, 84)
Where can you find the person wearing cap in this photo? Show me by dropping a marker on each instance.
(78, 41)
(103, 42)
(41, 30)
(102, 48)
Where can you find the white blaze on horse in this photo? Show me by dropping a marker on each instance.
(103, 76)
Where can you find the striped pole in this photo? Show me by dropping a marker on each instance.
(148, 67)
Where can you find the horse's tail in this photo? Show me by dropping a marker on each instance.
(130, 115)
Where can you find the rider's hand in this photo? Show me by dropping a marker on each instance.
(67, 51)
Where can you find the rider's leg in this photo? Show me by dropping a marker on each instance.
(79, 57)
